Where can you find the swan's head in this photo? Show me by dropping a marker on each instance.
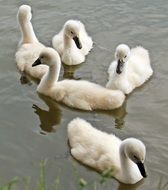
(72, 30)
(49, 57)
(136, 151)
(122, 54)
(24, 13)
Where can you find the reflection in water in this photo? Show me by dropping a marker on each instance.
(69, 71)
(27, 79)
(130, 187)
(48, 118)
(68, 74)
(24, 79)
(119, 115)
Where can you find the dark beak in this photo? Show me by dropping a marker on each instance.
(37, 62)
(142, 169)
(77, 42)
(120, 65)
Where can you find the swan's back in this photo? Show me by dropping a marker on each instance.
(86, 40)
(87, 95)
(142, 53)
(93, 147)
(140, 63)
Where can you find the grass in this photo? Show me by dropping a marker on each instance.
(10, 184)
(81, 183)
(41, 184)
(42, 181)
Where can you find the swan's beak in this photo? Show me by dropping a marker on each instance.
(77, 42)
(142, 169)
(120, 65)
(37, 62)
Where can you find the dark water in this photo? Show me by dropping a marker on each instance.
(34, 128)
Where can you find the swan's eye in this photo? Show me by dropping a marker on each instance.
(136, 158)
(42, 57)
(125, 56)
(72, 32)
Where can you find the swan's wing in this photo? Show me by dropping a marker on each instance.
(140, 54)
(86, 40)
(112, 69)
(91, 146)
(139, 64)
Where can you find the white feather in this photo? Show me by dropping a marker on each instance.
(63, 42)
(136, 71)
(78, 94)
(29, 47)
(103, 151)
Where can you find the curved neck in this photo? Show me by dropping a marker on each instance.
(50, 78)
(125, 161)
(129, 170)
(53, 74)
(28, 35)
(67, 41)
(125, 69)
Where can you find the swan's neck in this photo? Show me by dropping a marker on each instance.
(125, 69)
(129, 170)
(125, 161)
(28, 35)
(53, 74)
(50, 78)
(67, 41)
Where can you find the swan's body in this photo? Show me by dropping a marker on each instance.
(72, 42)
(135, 65)
(78, 94)
(29, 47)
(103, 151)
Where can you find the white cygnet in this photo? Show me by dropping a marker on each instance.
(29, 47)
(72, 42)
(79, 94)
(130, 69)
(103, 151)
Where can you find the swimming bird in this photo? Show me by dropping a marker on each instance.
(29, 47)
(130, 69)
(103, 151)
(72, 42)
(79, 94)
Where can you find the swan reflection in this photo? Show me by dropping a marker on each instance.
(49, 119)
(69, 71)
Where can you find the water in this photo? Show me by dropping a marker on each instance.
(34, 128)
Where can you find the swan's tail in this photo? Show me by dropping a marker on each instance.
(142, 52)
(145, 58)
(116, 99)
